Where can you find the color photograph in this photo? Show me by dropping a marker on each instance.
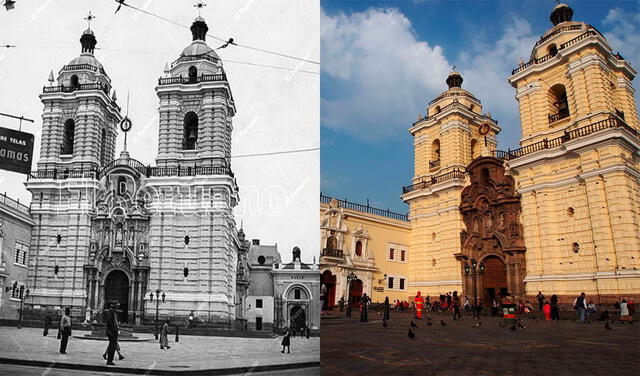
(480, 187)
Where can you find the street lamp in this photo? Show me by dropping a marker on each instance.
(158, 291)
(473, 272)
(23, 295)
(350, 278)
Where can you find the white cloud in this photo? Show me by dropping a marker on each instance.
(623, 33)
(388, 74)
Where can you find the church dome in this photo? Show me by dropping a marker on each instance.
(86, 58)
(199, 47)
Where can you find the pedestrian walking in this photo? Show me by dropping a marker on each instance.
(580, 304)
(47, 324)
(112, 332)
(456, 306)
(106, 351)
(364, 308)
(65, 330)
(418, 302)
(286, 341)
(164, 335)
(190, 318)
(540, 298)
(341, 303)
(555, 311)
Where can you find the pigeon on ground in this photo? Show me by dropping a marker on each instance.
(384, 324)
(411, 334)
(520, 324)
(477, 325)
(429, 324)
(607, 326)
(501, 324)
(413, 324)
(443, 323)
(513, 327)
(427, 317)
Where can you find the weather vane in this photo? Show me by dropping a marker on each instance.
(453, 68)
(200, 5)
(125, 124)
(89, 17)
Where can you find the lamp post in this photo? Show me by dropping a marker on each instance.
(23, 295)
(473, 272)
(158, 291)
(350, 278)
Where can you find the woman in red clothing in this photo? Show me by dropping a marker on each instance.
(547, 311)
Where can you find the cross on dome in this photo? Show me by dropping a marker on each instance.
(89, 17)
(200, 5)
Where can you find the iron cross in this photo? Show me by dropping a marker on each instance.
(89, 17)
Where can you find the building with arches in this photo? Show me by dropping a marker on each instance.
(111, 228)
(559, 214)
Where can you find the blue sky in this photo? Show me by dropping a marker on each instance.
(382, 61)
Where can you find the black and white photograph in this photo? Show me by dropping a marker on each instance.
(159, 184)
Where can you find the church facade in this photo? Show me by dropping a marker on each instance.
(108, 228)
(559, 214)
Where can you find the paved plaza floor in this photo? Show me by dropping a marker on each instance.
(350, 347)
(191, 353)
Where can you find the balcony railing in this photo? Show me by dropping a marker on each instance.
(434, 164)
(70, 89)
(564, 113)
(195, 57)
(457, 94)
(90, 67)
(569, 43)
(455, 174)
(190, 171)
(612, 122)
(135, 164)
(192, 80)
(56, 174)
(330, 252)
(365, 208)
(558, 31)
(14, 204)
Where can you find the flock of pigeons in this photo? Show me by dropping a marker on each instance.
(519, 325)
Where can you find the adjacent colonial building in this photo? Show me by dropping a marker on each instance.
(369, 243)
(15, 241)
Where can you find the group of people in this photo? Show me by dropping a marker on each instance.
(112, 331)
(584, 308)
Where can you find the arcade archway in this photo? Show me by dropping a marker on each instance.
(116, 287)
(329, 281)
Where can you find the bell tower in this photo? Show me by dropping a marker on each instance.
(79, 123)
(578, 165)
(194, 247)
(452, 134)
(196, 107)
(80, 115)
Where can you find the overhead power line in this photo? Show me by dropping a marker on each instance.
(221, 39)
(275, 153)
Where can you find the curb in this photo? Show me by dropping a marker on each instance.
(151, 371)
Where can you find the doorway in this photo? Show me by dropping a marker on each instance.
(356, 293)
(329, 280)
(116, 287)
(494, 280)
(298, 318)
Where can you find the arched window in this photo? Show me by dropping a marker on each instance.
(558, 103)
(332, 242)
(435, 154)
(552, 49)
(74, 82)
(358, 248)
(437, 109)
(67, 137)
(474, 149)
(103, 147)
(484, 176)
(190, 139)
(193, 74)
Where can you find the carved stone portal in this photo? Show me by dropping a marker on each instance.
(493, 236)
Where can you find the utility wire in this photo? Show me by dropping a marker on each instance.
(275, 153)
(143, 52)
(223, 40)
